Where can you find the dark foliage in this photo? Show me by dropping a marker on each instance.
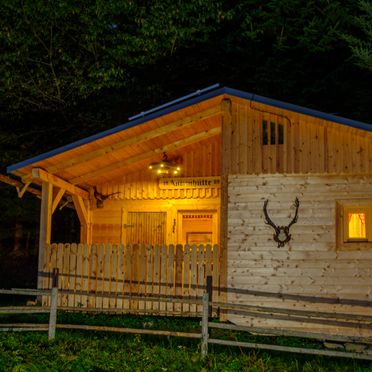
(73, 69)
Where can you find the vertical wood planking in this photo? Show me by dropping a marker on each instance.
(121, 271)
(65, 271)
(149, 275)
(208, 265)
(100, 274)
(201, 274)
(72, 273)
(194, 276)
(134, 275)
(85, 275)
(179, 276)
(186, 277)
(170, 277)
(142, 277)
(114, 276)
(163, 277)
(59, 264)
(127, 275)
(114, 270)
(79, 275)
(156, 277)
(93, 275)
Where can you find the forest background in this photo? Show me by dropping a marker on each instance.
(69, 69)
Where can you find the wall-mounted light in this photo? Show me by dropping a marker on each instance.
(165, 166)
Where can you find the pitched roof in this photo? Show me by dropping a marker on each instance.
(185, 102)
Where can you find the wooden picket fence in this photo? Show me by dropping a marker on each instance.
(93, 275)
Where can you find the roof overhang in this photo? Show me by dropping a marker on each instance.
(130, 146)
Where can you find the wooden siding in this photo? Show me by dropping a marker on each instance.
(108, 222)
(311, 264)
(311, 145)
(137, 270)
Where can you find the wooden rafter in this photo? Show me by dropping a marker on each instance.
(19, 185)
(43, 176)
(57, 198)
(103, 151)
(126, 162)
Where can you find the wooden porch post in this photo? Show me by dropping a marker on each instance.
(225, 166)
(45, 227)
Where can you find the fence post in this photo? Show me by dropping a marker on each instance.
(210, 291)
(53, 306)
(204, 345)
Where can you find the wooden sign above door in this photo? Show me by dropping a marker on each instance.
(189, 183)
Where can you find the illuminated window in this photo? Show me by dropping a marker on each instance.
(355, 224)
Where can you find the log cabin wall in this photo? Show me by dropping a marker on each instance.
(309, 144)
(312, 263)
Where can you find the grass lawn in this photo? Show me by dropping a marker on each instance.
(98, 351)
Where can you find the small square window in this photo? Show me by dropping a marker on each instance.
(354, 228)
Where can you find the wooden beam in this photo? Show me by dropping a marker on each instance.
(168, 128)
(126, 162)
(80, 209)
(23, 189)
(85, 217)
(57, 198)
(45, 227)
(42, 175)
(18, 185)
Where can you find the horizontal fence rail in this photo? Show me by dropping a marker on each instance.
(52, 310)
(204, 334)
(98, 275)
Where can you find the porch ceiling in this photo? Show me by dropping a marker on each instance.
(109, 157)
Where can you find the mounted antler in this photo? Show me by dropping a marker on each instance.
(100, 198)
(282, 235)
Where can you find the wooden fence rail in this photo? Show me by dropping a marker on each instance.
(134, 270)
(203, 334)
(53, 294)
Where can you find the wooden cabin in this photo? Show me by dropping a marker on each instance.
(143, 232)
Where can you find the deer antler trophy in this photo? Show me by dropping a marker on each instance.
(282, 235)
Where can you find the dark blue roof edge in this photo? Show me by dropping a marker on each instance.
(300, 109)
(184, 102)
(114, 130)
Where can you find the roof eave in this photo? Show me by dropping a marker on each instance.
(186, 101)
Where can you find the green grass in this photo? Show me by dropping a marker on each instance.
(102, 351)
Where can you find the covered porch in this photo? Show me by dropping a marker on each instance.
(141, 232)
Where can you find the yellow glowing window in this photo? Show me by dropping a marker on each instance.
(357, 226)
(357, 221)
(354, 224)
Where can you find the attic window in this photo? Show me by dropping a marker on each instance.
(272, 133)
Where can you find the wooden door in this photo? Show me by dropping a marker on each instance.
(198, 227)
(145, 228)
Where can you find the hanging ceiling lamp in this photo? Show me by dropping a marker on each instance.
(165, 166)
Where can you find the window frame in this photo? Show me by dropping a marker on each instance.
(272, 133)
(343, 208)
